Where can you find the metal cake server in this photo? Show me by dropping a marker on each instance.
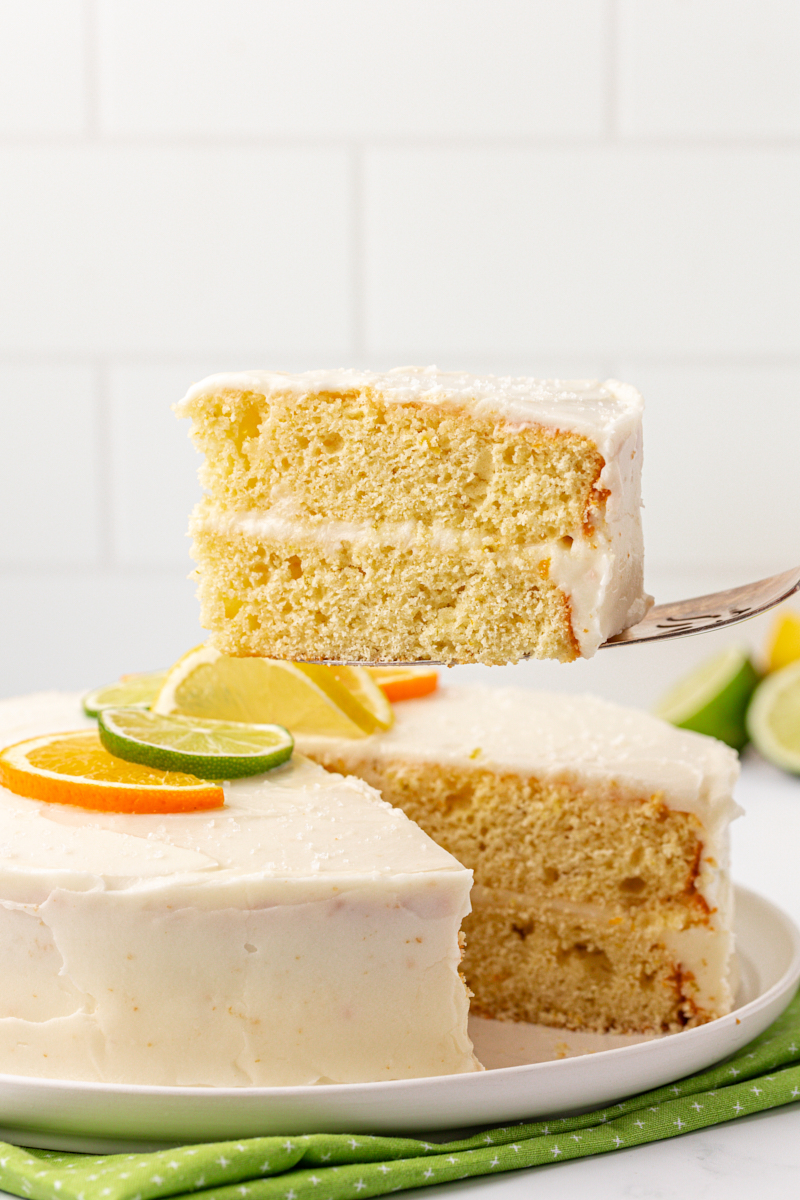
(703, 614)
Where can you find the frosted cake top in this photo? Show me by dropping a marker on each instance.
(605, 412)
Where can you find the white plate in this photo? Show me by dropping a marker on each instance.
(532, 1072)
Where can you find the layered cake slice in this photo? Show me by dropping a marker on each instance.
(598, 836)
(304, 933)
(416, 515)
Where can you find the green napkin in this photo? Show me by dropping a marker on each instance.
(765, 1074)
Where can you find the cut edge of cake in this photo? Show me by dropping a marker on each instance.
(416, 515)
(599, 840)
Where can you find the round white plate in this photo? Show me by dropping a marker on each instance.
(531, 1072)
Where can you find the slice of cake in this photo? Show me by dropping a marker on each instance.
(599, 840)
(416, 515)
(304, 933)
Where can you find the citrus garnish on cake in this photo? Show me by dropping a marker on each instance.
(207, 749)
(304, 697)
(305, 933)
(137, 690)
(75, 768)
(417, 515)
(405, 683)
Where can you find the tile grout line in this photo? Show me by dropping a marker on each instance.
(91, 80)
(683, 360)
(612, 70)
(357, 249)
(303, 143)
(103, 469)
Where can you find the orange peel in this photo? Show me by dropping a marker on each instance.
(404, 683)
(75, 768)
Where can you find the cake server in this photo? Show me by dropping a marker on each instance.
(703, 614)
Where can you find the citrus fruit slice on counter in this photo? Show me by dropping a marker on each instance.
(303, 697)
(208, 749)
(783, 646)
(713, 698)
(131, 691)
(405, 683)
(773, 719)
(74, 768)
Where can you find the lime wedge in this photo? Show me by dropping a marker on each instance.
(773, 720)
(207, 749)
(305, 697)
(713, 699)
(137, 691)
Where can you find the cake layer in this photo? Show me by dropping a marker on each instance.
(576, 968)
(312, 455)
(598, 837)
(295, 599)
(415, 474)
(305, 933)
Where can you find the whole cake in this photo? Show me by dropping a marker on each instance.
(416, 515)
(598, 836)
(305, 933)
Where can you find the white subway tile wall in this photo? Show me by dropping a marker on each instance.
(43, 68)
(553, 187)
(709, 68)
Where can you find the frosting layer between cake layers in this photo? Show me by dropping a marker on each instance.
(598, 568)
(305, 933)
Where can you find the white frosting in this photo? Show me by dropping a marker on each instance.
(304, 933)
(608, 413)
(600, 574)
(591, 741)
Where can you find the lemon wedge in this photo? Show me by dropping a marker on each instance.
(784, 641)
(303, 697)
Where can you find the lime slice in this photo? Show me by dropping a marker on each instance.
(305, 697)
(784, 641)
(207, 749)
(773, 719)
(713, 699)
(136, 691)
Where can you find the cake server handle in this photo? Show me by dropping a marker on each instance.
(702, 614)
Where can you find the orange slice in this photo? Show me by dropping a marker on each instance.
(404, 683)
(74, 768)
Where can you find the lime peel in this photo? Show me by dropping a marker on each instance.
(206, 748)
(713, 698)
